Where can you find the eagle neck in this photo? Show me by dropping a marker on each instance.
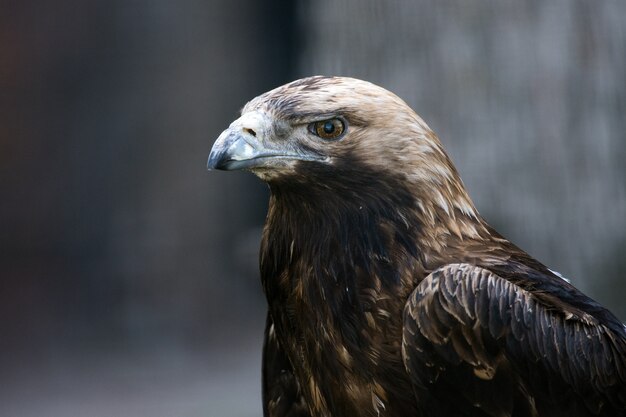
(339, 238)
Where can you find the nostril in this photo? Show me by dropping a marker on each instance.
(250, 131)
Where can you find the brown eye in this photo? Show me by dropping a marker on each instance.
(328, 129)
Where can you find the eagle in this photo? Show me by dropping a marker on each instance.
(388, 294)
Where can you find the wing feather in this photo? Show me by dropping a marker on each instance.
(476, 341)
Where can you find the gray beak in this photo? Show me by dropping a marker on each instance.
(235, 149)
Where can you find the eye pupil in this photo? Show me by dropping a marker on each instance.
(329, 127)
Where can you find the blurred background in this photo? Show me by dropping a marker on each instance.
(129, 283)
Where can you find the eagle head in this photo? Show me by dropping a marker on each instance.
(327, 124)
(347, 139)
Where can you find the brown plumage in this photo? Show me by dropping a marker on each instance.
(388, 294)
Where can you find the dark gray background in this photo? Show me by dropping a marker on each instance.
(129, 274)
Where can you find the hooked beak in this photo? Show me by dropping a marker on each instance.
(234, 150)
(243, 146)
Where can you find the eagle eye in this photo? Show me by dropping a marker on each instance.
(328, 129)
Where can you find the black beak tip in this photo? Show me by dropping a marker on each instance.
(214, 165)
(210, 165)
(216, 161)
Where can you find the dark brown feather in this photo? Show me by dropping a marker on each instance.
(282, 396)
(341, 318)
(567, 368)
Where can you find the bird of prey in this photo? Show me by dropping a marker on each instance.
(388, 294)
